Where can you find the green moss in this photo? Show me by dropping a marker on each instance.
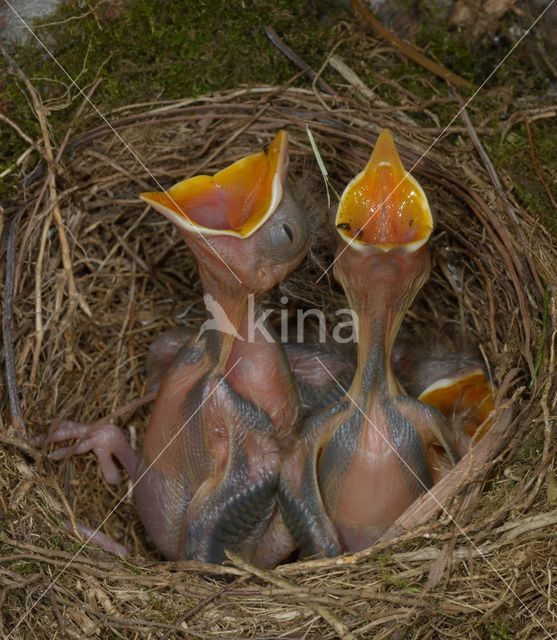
(173, 49)
(499, 630)
(513, 157)
(451, 48)
(133, 568)
(146, 50)
(26, 568)
(393, 580)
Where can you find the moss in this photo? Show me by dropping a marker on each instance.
(133, 568)
(499, 630)
(454, 51)
(513, 157)
(26, 568)
(448, 46)
(146, 50)
(393, 580)
(476, 59)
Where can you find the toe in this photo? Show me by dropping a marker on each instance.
(38, 441)
(61, 453)
(109, 469)
(68, 431)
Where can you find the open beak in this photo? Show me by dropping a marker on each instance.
(384, 208)
(470, 393)
(235, 201)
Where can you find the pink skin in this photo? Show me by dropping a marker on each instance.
(109, 443)
(364, 460)
(99, 539)
(380, 289)
(105, 439)
(225, 410)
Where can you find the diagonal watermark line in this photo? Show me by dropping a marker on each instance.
(124, 497)
(428, 491)
(134, 154)
(352, 240)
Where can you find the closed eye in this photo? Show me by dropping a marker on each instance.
(288, 231)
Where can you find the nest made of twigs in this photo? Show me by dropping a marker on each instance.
(99, 275)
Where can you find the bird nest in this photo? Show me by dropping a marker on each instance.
(93, 275)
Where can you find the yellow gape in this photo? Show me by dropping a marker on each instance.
(470, 395)
(235, 201)
(384, 207)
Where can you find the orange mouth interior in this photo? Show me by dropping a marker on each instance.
(472, 395)
(384, 206)
(238, 198)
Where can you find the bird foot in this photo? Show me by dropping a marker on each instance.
(99, 539)
(106, 440)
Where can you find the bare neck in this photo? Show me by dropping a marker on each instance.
(241, 310)
(380, 289)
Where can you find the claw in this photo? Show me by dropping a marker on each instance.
(98, 538)
(39, 441)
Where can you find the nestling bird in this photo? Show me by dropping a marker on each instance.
(226, 406)
(456, 382)
(366, 458)
(225, 424)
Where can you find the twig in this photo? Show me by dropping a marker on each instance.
(7, 329)
(317, 78)
(75, 297)
(501, 193)
(86, 101)
(487, 163)
(407, 49)
(21, 443)
(541, 350)
(39, 327)
(203, 603)
(536, 165)
(238, 132)
(295, 58)
(61, 150)
(57, 613)
(340, 628)
(19, 131)
(81, 16)
(533, 115)
(354, 79)
(17, 162)
(544, 56)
